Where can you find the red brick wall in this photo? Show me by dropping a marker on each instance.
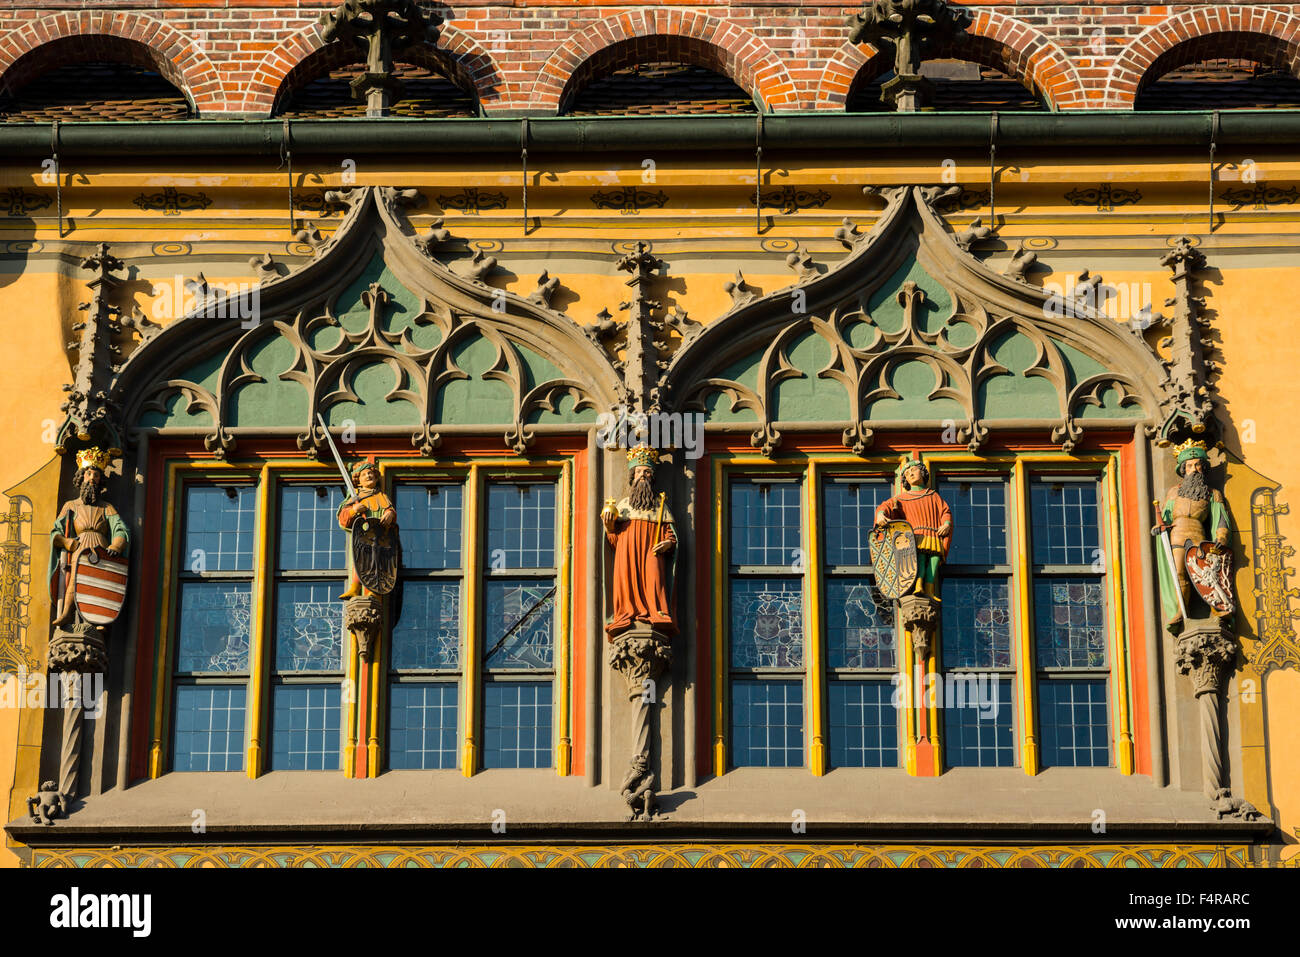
(232, 55)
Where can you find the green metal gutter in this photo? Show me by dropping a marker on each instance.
(814, 131)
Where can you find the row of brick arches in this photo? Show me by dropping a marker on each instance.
(661, 60)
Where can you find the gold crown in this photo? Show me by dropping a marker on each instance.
(93, 458)
(642, 455)
(1192, 448)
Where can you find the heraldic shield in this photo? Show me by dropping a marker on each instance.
(893, 556)
(376, 554)
(1210, 573)
(99, 585)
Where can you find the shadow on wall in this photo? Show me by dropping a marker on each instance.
(18, 232)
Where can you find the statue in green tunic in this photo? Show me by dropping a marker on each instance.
(1194, 514)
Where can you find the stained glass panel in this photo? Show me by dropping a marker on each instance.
(310, 536)
(308, 627)
(429, 517)
(859, 625)
(976, 623)
(1066, 525)
(219, 529)
(850, 509)
(214, 626)
(521, 526)
(766, 623)
(427, 635)
(979, 515)
(765, 524)
(519, 624)
(1070, 622)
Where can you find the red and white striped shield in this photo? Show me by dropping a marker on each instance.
(99, 585)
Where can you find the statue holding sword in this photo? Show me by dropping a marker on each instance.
(1193, 527)
(368, 515)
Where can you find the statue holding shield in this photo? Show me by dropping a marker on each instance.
(913, 532)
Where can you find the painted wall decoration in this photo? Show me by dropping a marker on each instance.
(15, 586)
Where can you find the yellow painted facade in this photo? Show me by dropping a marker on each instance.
(706, 234)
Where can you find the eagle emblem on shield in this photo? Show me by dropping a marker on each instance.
(893, 556)
(376, 555)
(1210, 572)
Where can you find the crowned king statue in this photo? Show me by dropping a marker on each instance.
(640, 528)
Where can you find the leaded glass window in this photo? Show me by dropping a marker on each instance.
(520, 588)
(309, 639)
(1069, 620)
(213, 627)
(976, 641)
(861, 642)
(425, 661)
(765, 602)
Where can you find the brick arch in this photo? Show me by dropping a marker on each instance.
(1228, 30)
(137, 39)
(472, 65)
(996, 40)
(738, 54)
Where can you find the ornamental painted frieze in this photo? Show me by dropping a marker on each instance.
(630, 200)
(172, 201)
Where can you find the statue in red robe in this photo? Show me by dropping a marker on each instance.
(640, 528)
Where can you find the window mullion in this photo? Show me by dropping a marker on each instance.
(1123, 732)
(815, 668)
(259, 660)
(1024, 659)
(472, 666)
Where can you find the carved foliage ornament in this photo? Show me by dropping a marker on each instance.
(296, 308)
(959, 351)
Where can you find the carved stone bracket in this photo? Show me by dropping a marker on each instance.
(80, 648)
(641, 654)
(1206, 652)
(920, 616)
(363, 617)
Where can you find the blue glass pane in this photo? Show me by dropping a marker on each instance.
(766, 623)
(214, 626)
(1075, 723)
(208, 730)
(219, 529)
(850, 514)
(429, 517)
(1070, 622)
(859, 625)
(1066, 524)
(979, 517)
(517, 724)
(519, 623)
(422, 726)
(521, 526)
(305, 728)
(310, 537)
(976, 623)
(979, 736)
(766, 724)
(308, 627)
(427, 636)
(864, 724)
(765, 524)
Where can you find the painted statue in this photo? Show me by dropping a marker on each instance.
(928, 514)
(368, 514)
(1194, 526)
(88, 547)
(640, 528)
